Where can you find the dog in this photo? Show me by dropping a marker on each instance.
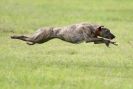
(77, 33)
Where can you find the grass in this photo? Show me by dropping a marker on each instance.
(60, 65)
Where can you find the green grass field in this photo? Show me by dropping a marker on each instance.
(61, 65)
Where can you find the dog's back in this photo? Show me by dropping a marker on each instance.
(75, 33)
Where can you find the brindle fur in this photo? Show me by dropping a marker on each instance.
(76, 33)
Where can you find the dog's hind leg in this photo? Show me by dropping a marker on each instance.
(40, 36)
(24, 38)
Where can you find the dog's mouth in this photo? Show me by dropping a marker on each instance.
(110, 37)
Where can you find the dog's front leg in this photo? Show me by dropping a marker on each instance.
(95, 40)
(99, 41)
(106, 41)
(88, 37)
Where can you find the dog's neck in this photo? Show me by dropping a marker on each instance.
(97, 33)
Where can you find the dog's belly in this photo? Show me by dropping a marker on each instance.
(73, 39)
(71, 36)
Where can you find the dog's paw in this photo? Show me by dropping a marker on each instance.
(12, 37)
(30, 43)
(107, 42)
(15, 37)
(114, 43)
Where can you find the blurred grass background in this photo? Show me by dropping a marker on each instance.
(60, 65)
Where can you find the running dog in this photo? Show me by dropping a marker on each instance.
(76, 33)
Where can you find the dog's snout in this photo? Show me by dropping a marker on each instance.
(112, 36)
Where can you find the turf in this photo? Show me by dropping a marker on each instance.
(61, 65)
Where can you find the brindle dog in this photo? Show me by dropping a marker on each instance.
(76, 33)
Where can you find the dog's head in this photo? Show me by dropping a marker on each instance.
(104, 32)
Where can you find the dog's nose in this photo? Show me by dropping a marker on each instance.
(113, 36)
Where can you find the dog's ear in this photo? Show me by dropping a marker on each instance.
(100, 28)
(98, 31)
